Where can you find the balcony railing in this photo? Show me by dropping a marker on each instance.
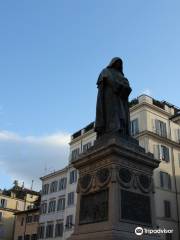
(76, 134)
(89, 127)
(158, 104)
(133, 102)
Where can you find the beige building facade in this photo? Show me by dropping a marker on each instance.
(158, 131)
(26, 224)
(157, 127)
(12, 201)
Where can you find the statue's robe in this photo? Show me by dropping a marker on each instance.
(112, 110)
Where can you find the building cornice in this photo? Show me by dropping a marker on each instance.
(56, 173)
(9, 210)
(82, 136)
(13, 198)
(33, 210)
(152, 106)
(157, 137)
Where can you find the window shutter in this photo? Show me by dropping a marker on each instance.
(153, 125)
(161, 152)
(157, 126)
(67, 220)
(71, 220)
(169, 181)
(167, 156)
(136, 126)
(63, 204)
(1, 215)
(131, 128)
(164, 130)
(178, 135)
(161, 179)
(45, 208)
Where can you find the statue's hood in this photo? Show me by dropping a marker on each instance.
(113, 61)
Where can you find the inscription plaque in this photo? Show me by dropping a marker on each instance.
(135, 207)
(94, 207)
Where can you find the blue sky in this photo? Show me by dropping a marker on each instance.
(51, 53)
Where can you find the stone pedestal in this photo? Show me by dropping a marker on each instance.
(115, 190)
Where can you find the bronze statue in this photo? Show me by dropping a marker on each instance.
(112, 110)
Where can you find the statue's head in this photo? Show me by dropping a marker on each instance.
(117, 64)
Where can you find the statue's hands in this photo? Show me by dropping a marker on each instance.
(126, 92)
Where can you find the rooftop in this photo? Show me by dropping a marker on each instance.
(19, 191)
(160, 104)
(55, 173)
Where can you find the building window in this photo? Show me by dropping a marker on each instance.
(165, 153)
(29, 207)
(29, 219)
(1, 215)
(52, 206)
(45, 189)
(168, 236)
(165, 180)
(61, 204)
(53, 187)
(86, 146)
(59, 229)
(27, 237)
(49, 230)
(36, 218)
(44, 208)
(20, 238)
(70, 198)
(62, 183)
(73, 177)
(134, 127)
(167, 209)
(22, 221)
(34, 237)
(162, 152)
(41, 232)
(75, 154)
(160, 128)
(69, 221)
(3, 203)
(2, 231)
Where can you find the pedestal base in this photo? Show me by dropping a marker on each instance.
(115, 191)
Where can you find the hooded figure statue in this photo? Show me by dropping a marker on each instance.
(112, 110)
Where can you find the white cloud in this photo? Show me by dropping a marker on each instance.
(26, 158)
